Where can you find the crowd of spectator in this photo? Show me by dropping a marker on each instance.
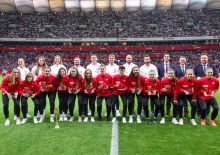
(8, 59)
(164, 23)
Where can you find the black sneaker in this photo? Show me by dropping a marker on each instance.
(147, 120)
(108, 119)
(99, 119)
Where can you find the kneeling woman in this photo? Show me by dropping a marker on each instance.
(30, 88)
(10, 88)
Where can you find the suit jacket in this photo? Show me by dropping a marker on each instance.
(179, 72)
(199, 72)
(160, 69)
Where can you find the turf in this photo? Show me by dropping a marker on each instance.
(95, 138)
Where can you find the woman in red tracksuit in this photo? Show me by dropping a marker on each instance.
(207, 87)
(75, 88)
(90, 85)
(151, 90)
(167, 90)
(135, 87)
(186, 91)
(62, 83)
(48, 88)
(30, 88)
(120, 86)
(104, 82)
(10, 88)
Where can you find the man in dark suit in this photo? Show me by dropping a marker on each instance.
(200, 68)
(163, 67)
(162, 72)
(180, 72)
(199, 71)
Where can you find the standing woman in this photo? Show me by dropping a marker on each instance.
(186, 91)
(48, 88)
(57, 64)
(10, 88)
(90, 84)
(167, 90)
(30, 88)
(39, 68)
(151, 90)
(75, 88)
(135, 86)
(62, 83)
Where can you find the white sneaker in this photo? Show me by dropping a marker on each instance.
(193, 122)
(180, 121)
(38, 114)
(123, 120)
(71, 119)
(18, 121)
(7, 122)
(51, 118)
(118, 113)
(130, 119)
(138, 119)
(89, 112)
(15, 117)
(92, 119)
(162, 120)
(80, 119)
(24, 121)
(41, 119)
(174, 121)
(113, 120)
(35, 120)
(61, 118)
(28, 115)
(85, 119)
(65, 118)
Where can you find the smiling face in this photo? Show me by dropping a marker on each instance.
(88, 74)
(170, 74)
(76, 61)
(166, 58)
(57, 60)
(47, 72)
(209, 73)
(135, 71)
(94, 59)
(102, 70)
(128, 59)
(147, 60)
(111, 59)
(152, 75)
(41, 61)
(204, 59)
(21, 62)
(182, 61)
(189, 74)
(73, 72)
(29, 78)
(16, 73)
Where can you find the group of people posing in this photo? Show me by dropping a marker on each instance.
(177, 85)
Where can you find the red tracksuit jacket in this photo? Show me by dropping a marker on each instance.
(186, 85)
(10, 88)
(150, 86)
(73, 86)
(207, 85)
(106, 83)
(169, 84)
(62, 84)
(90, 86)
(45, 82)
(119, 84)
(29, 88)
(133, 83)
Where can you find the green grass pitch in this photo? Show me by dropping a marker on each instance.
(95, 138)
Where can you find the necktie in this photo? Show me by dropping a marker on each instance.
(183, 69)
(166, 67)
(204, 68)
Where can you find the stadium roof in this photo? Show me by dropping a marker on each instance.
(29, 6)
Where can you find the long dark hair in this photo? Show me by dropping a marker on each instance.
(59, 76)
(132, 75)
(77, 75)
(86, 80)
